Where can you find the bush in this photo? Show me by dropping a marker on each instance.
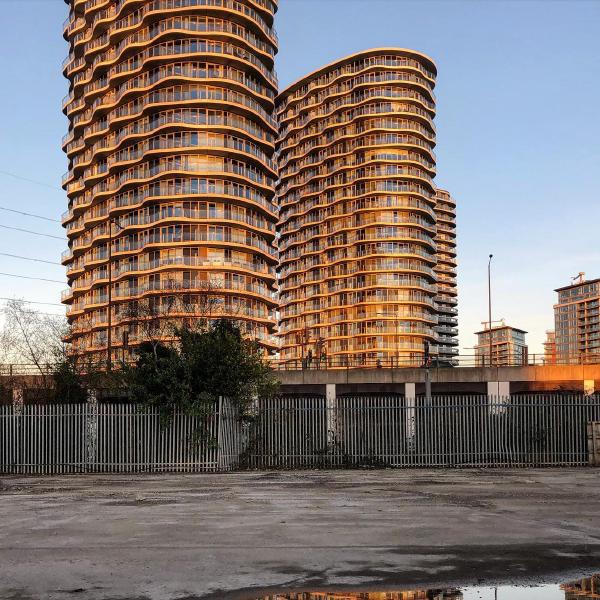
(201, 367)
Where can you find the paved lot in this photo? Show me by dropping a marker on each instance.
(223, 536)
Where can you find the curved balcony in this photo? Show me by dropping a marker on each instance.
(326, 81)
(178, 164)
(303, 115)
(192, 137)
(143, 84)
(180, 49)
(180, 95)
(338, 161)
(187, 142)
(186, 24)
(313, 152)
(90, 39)
(386, 121)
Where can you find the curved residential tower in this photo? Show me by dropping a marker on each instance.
(445, 269)
(171, 174)
(357, 211)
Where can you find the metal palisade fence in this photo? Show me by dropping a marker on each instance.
(421, 432)
(114, 438)
(292, 433)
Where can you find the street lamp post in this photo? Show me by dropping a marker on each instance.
(490, 305)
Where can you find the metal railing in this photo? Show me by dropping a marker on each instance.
(109, 438)
(293, 433)
(334, 362)
(421, 432)
(435, 361)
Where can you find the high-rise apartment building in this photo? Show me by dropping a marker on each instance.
(508, 346)
(357, 208)
(171, 173)
(445, 270)
(550, 348)
(577, 322)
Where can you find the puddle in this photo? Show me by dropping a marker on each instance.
(587, 588)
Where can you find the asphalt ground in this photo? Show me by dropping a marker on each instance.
(244, 535)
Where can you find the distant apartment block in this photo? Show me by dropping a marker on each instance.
(550, 348)
(577, 321)
(508, 347)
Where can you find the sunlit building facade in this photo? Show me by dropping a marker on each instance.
(501, 346)
(171, 174)
(445, 270)
(357, 219)
(577, 322)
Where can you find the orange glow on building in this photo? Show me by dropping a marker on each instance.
(171, 173)
(357, 216)
(577, 321)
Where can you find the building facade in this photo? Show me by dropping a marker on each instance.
(508, 346)
(171, 173)
(577, 322)
(357, 221)
(550, 348)
(445, 270)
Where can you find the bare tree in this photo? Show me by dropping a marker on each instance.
(32, 338)
(31, 344)
(154, 320)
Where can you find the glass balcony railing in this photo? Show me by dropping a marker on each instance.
(137, 17)
(326, 80)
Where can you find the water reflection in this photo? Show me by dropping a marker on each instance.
(435, 594)
(587, 588)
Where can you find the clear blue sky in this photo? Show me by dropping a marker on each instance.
(518, 134)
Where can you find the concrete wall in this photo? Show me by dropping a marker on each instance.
(458, 380)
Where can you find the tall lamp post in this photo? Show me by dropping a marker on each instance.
(490, 304)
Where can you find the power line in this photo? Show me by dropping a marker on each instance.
(36, 278)
(37, 312)
(48, 262)
(9, 174)
(56, 237)
(31, 301)
(19, 212)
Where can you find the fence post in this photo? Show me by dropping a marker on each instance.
(332, 424)
(17, 432)
(593, 433)
(17, 399)
(220, 421)
(91, 431)
(410, 420)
